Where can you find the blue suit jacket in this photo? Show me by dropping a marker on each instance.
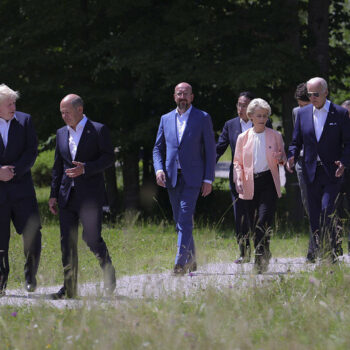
(96, 151)
(333, 145)
(229, 136)
(21, 152)
(196, 151)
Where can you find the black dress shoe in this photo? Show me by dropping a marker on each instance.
(61, 294)
(191, 266)
(2, 293)
(30, 285)
(179, 270)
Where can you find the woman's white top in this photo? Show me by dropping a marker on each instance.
(260, 162)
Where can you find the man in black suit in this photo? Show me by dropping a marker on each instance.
(229, 135)
(323, 130)
(83, 151)
(18, 151)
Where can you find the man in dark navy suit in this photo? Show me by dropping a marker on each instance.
(229, 135)
(18, 151)
(323, 129)
(83, 151)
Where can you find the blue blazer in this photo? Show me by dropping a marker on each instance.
(229, 136)
(96, 151)
(21, 152)
(334, 143)
(196, 151)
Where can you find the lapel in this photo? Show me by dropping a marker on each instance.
(188, 126)
(11, 138)
(84, 138)
(2, 146)
(329, 118)
(65, 144)
(308, 119)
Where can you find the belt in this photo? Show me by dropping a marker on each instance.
(257, 175)
(319, 163)
(179, 171)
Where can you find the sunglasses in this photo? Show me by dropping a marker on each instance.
(315, 94)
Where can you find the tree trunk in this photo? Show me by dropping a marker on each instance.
(319, 34)
(112, 191)
(131, 179)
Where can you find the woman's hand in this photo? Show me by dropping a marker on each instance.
(239, 186)
(279, 157)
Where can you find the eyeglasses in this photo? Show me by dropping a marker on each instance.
(315, 94)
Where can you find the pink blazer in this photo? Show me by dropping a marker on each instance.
(243, 160)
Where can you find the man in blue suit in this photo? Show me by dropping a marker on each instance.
(184, 162)
(83, 151)
(228, 136)
(18, 151)
(323, 129)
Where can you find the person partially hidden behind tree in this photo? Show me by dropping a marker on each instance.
(18, 151)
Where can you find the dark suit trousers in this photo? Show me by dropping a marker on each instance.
(322, 197)
(183, 201)
(241, 221)
(24, 214)
(344, 212)
(90, 215)
(261, 211)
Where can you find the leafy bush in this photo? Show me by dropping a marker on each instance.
(41, 171)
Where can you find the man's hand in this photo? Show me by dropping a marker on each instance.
(239, 186)
(53, 205)
(77, 171)
(161, 179)
(206, 189)
(340, 171)
(290, 164)
(7, 172)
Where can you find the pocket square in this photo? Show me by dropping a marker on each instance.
(332, 123)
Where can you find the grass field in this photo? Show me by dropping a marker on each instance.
(308, 311)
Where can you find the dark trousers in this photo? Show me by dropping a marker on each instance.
(302, 183)
(90, 215)
(24, 214)
(183, 201)
(344, 212)
(241, 222)
(322, 198)
(261, 211)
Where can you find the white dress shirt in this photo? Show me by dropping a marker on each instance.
(245, 125)
(320, 116)
(260, 162)
(4, 129)
(75, 135)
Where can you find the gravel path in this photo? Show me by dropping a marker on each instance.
(151, 286)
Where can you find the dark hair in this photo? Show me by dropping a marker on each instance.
(301, 93)
(247, 94)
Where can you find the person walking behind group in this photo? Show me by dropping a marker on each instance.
(303, 100)
(83, 151)
(230, 132)
(184, 163)
(322, 129)
(259, 152)
(18, 151)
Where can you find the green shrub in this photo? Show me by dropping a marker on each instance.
(41, 171)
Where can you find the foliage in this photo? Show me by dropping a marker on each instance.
(41, 171)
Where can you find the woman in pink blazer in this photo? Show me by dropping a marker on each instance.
(259, 151)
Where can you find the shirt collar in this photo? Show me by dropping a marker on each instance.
(79, 126)
(14, 117)
(243, 122)
(184, 115)
(324, 108)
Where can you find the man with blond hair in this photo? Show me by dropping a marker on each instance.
(18, 151)
(322, 129)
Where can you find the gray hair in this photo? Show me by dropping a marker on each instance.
(77, 102)
(346, 104)
(320, 81)
(6, 92)
(258, 103)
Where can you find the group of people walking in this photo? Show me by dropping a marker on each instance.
(185, 154)
(184, 157)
